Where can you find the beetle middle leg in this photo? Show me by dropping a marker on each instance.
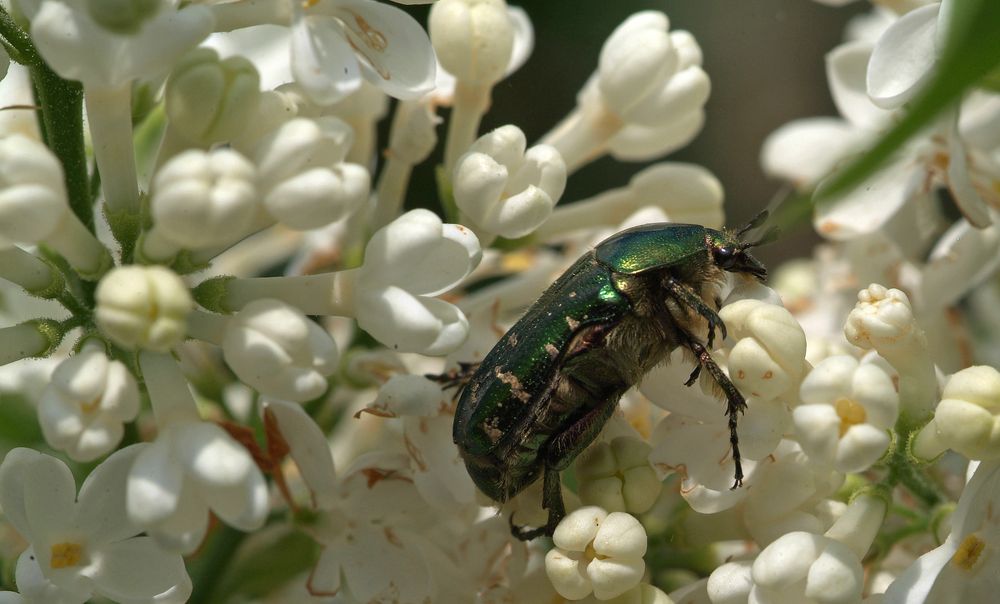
(735, 403)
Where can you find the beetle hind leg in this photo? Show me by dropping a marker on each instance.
(552, 501)
(735, 403)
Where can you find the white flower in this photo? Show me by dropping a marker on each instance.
(966, 566)
(277, 350)
(646, 98)
(35, 588)
(617, 477)
(473, 39)
(767, 360)
(302, 176)
(191, 468)
(812, 569)
(408, 262)
(143, 307)
(202, 199)
(596, 552)
(846, 413)
(209, 100)
(371, 548)
(968, 417)
(86, 544)
(82, 409)
(65, 31)
(902, 60)
(693, 439)
(336, 42)
(505, 189)
(789, 494)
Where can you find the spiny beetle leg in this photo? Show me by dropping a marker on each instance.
(552, 501)
(683, 293)
(735, 403)
(457, 377)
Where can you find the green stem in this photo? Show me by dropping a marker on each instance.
(210, 564)
(62, 117)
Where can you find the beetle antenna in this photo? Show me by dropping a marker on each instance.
(769, 236)
(755, 222)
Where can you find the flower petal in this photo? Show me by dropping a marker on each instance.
(322, 60)
(804, 151)
(154, 485)
(903, 57)
(101, 507)
(138, 569)
(846, 66)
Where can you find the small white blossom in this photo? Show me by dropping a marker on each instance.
(307, 446)
(277, 350)
(968, 417)
(966, 567)
(504, 189)
(337, 42)
(200, 200)
(303, 179)
(191, 468)
(86, 544)
(143, 307)
(473, 39)
(408, 262)
(846, 413)
(646, 98)
(596, 552)
(82, 409)
(902, 59)
(65, 31)
(617, 476)
(806, 568)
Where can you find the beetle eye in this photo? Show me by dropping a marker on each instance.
(725, 257)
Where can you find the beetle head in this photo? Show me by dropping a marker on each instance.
(729, 250)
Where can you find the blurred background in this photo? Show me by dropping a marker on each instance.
(765, 59)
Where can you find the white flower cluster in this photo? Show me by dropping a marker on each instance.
(251, 320)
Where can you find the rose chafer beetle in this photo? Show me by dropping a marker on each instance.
(544, 392)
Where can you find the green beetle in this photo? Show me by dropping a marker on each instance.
(546, 389)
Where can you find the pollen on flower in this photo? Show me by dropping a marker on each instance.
(850, 414)
(66, 554)
(968, 552)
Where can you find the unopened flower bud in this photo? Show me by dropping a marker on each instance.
(413, 135)
(276, 349)
(209, 100)
(882, 319)
(505, 189)
(596, 552)
(203, 199)
(617, 476)
(473, 39)
(32, 194)
(768, 359)
(968, 417)
(143, 307)
(122, 16)
(801, 567)
(303, 179)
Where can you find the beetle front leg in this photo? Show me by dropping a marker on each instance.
(684, 294)
(457, 378)
(735, 403)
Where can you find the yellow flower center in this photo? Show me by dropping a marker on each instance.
(850, 414)
(591, 554)
(66, 554)
(968, 552)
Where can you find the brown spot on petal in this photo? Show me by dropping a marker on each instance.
(377, 411)
(392, 537)
(768, 375)
(415, 454)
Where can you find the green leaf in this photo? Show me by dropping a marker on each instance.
(971, 52)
